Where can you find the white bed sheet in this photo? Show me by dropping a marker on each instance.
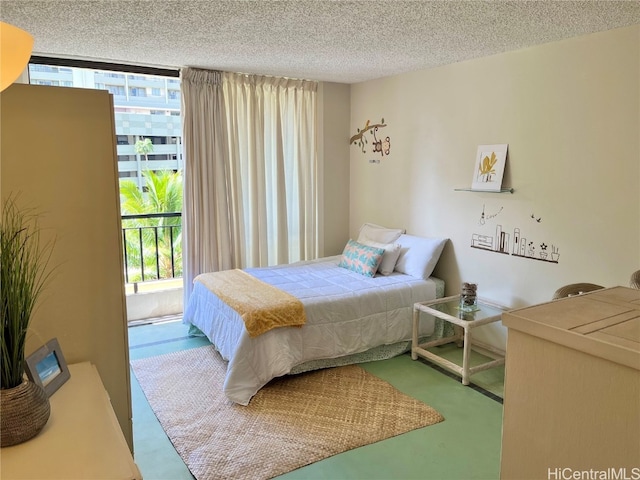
(346, 313)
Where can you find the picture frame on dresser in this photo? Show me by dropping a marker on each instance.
(47, 367)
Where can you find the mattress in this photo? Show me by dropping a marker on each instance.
(347, 314)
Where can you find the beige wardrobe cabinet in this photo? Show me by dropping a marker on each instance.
(58, 156)
(572, 388)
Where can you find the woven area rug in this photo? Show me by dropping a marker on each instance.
(293, 421)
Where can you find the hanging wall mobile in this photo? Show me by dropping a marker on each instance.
(378, 145)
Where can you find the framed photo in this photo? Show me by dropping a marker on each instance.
(47, 367)
(490, 163)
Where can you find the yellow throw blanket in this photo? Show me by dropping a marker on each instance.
(261, 306)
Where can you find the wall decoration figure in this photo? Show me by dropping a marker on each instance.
(382, 146)
(513, 244)
(484, 218)
(489, 168)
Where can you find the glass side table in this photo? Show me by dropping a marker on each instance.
(464, 322)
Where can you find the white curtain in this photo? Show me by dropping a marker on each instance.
(250, 171)
(207, 244)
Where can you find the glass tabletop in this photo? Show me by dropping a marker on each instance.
(452, 308)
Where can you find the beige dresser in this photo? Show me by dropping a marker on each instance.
(81, 441)
(572, 388)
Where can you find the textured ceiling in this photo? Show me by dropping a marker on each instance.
(340, 41)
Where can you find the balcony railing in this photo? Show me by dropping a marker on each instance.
(152, 246)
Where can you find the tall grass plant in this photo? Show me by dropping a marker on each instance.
(24, 272)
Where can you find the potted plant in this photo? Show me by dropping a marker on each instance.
(24, 272)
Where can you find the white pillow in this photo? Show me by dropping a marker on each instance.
(389, 258)
(419, 255)
(376, 233)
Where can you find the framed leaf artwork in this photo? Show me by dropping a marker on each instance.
(489, 169)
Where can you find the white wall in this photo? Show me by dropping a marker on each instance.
(570, 113)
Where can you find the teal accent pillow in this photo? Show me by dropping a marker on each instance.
(361, 258)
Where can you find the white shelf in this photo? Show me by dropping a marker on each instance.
(502, 190)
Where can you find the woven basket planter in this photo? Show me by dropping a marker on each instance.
(24, 411)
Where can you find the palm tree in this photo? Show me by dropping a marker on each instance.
(163, 195)
(144, 147)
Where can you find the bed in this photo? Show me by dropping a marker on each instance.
(351, 316)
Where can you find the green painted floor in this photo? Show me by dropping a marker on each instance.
(465, 446)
